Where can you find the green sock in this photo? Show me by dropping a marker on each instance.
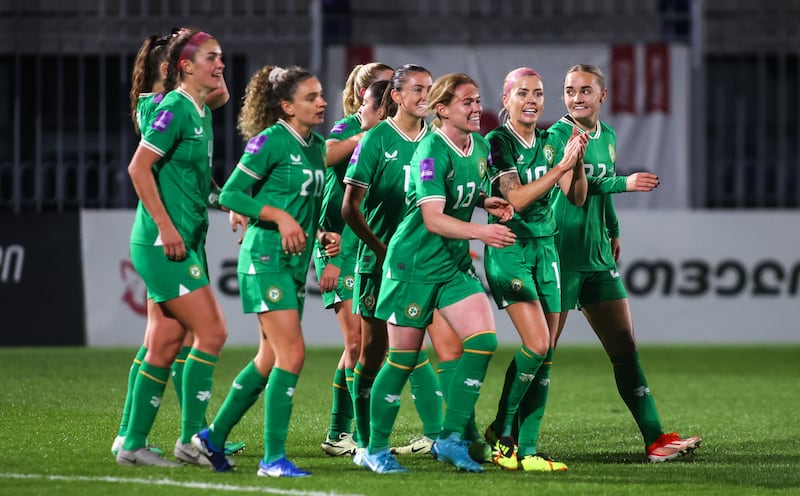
(147, 394)
(243, 394)
(531, 409)
(446, 371)
(132, 373)
(177, 371)
(519, 376)
(427, 395)
(278, 401)
(362, 383)
(467, 381)
(198, 377)
(348, 377)
(632, 387)
(386, 392)
(341, 407)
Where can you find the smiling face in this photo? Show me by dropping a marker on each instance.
(583, 96)
(525, 101)
(412, 97)
(463, 113)
(307, 108)
(206, 66)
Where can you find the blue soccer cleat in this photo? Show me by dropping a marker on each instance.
(453, 450)
(382, 462)
(216, 456)
(280, 468)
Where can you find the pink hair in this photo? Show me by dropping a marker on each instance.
(192, 45)
(513, 76)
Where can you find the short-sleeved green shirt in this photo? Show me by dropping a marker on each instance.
(440, 170)
(283, 170)
(382, 165)
(181, 133)
(583, 232)
(511, 154)
(146, 107)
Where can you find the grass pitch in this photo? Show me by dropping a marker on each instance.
(60, 409)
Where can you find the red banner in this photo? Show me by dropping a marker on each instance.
(657, 78)
(623, 79)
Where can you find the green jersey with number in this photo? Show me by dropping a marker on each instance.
(440, 170)
(382, 165)
(281, 169)
(511, 154)
(583, 240)
(181, 134)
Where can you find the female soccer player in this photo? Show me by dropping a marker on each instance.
(378, 178)
(428, 265)
(170, 171)
(336, 275)
(588, 243)
(278, 184)
(524, 277)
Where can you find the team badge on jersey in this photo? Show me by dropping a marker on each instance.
(255, 143)
(162, 120)
(412, 311)
(195, 271)
(369, 302)
(516, 284)
(349, 282)
(426, 169)
(338, 128)
(549, 154)
(612, 152)
(482, 168)
(274, 294)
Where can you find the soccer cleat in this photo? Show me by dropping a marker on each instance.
(480, 451)
(670, 446)
(234, 447)
(215, 456)
(540, 463)
(418, 446)
(505, 453)
(358, 458)
(454, 451)
(280, 468)
(120, 440)
(143, 457)
(382, 462)
(343, 445)
(187, 453)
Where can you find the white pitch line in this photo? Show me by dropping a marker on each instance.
(168, 482)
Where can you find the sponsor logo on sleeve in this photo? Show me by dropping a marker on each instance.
(338, 128)
(426, 169)
(255, 143)
(162, 120)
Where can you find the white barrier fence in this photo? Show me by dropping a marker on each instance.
(692, 277)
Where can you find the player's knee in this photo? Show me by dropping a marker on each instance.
(481, 342)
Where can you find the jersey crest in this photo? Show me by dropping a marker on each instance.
(549, 154)
(612, 152)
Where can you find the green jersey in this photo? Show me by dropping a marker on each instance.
(382, 165)
(583, 239)
(182, 135)
(511, 154)
(331, 214)
(440, 170)
(146, 107)
(283, 170)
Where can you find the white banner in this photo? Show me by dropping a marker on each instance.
(692, 277)
(648, 101)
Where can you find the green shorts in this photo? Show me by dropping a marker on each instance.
(579, 289)
(166, 279)
(528, 270)
(268, 291)
(346, 283)
(368, 287)
(411, 304)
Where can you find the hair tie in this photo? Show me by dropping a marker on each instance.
(514, 76)
(192, 45)
(274, 74)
